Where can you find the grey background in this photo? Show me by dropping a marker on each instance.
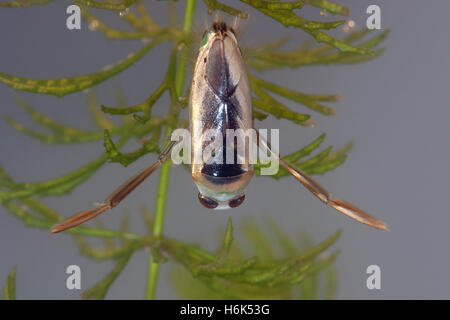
(395, 109)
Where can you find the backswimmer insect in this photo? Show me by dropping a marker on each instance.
(220, 99)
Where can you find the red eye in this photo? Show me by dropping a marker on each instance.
(207, 202)
(236, 202)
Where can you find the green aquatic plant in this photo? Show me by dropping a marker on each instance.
(262, 275)
(229, 272)
(9, 291)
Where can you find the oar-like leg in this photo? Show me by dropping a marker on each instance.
(320, 192)
(116, 197)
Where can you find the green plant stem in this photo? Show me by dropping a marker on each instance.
(164, 175)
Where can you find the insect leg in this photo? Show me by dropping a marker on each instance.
(320, 192)
(116, 197)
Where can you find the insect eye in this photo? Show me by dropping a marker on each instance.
(236, 202)
(205, 39)
(207, 202)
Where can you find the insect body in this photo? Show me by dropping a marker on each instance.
(220, 100)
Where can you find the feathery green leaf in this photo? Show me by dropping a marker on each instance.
(10, 287)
